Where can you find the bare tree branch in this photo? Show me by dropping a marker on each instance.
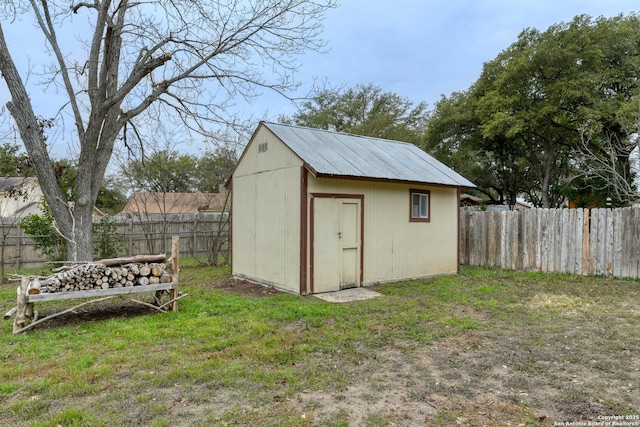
(600, 166)
(179, 61)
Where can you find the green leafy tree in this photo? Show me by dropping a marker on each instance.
(532, 105)
(363, 110)
(46, 237)
(107, 243)
(111, 198)
(453, 136)
(167, 171)
(214, 168)
(13, 162)
(163, 171)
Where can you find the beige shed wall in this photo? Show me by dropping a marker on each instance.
(394, 247)
(266, 214)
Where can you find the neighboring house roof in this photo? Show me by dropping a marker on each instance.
(9, 182)
(28, 203)
(469, 200)
(335, 154)
(173, 203)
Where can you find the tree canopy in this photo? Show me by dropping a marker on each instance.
(363, 110)
(128, 65)
(166, 171)
(524, 120)
(13, 162)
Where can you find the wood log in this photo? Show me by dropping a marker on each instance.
(10, 313)
(145, 270)
(29, 311)
(134, 259)
(157, 270)
(64, 268)
(33, 288)
(21, 306)
(98, 276)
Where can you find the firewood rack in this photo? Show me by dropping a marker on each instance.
(27, 318)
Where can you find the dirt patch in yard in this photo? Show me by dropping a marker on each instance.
(245, 288)
(477, 379)
(568, 371)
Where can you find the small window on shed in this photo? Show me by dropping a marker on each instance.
(420, 206)
(262, 148)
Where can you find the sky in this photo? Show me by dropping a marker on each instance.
(418, 49)
(423, 49)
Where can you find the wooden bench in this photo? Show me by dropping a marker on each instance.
(27, 318)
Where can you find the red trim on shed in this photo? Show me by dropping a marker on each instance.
(312, 228)
(304, 182)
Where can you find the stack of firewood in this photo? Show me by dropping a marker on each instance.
(117, 273)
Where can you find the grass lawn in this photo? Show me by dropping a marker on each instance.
(485, 347)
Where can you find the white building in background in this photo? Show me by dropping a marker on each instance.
(19, 197)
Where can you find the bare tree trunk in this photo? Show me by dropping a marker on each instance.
(80, 247)
(32, 137)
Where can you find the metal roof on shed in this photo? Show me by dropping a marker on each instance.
(341, 154)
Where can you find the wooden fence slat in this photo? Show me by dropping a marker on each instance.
(610, 243)
(493, 256)
(474, 236)
(547, 239)
(586, 248)
(532, 238)
(578, 234)
(526, 236)
(634, 235)
(602, 242)
(565, 242)
(593, 237)
(462, 232)
(578, 241)
(621, 267)
(519, 247)
(504, 237)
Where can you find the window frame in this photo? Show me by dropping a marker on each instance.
(427, 193)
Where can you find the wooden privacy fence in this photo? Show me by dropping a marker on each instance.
(138, 235)
(577, 241)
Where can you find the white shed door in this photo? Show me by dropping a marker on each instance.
(336, 243)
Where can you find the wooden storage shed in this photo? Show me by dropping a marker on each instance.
(318, 211)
